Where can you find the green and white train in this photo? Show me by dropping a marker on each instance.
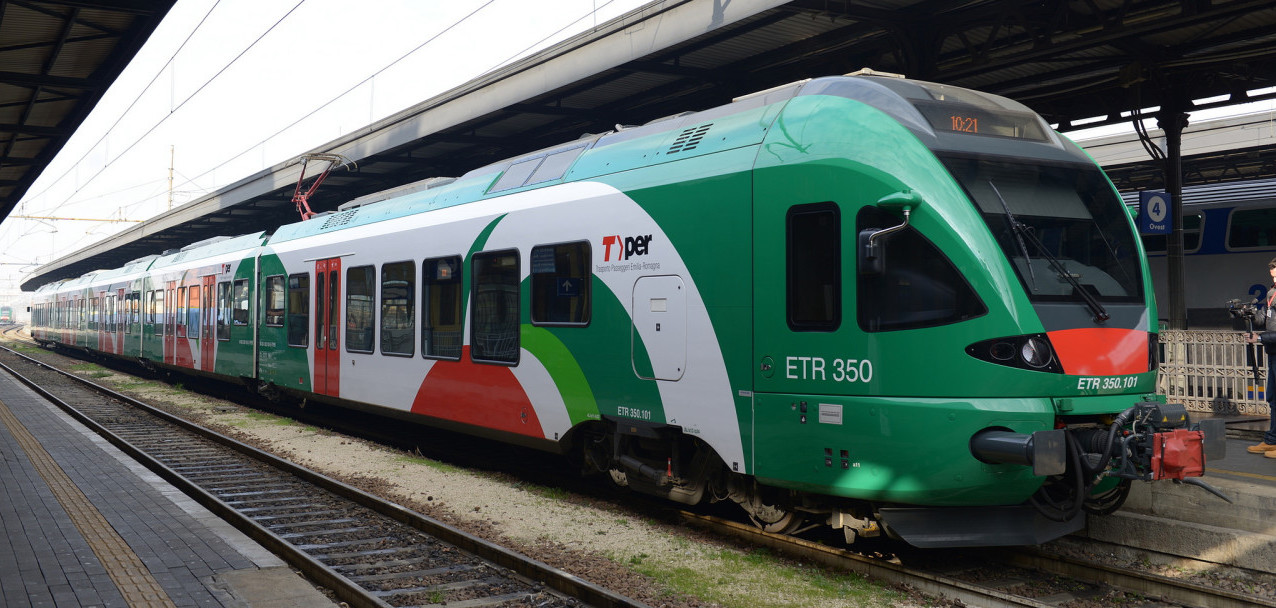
(873, 303)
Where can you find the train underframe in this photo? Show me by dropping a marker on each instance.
(1088, 465)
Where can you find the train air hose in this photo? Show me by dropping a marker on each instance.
(1067, 507)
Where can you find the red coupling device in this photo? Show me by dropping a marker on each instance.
(1177, 454)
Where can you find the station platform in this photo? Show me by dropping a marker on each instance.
(84, 525)
(1189, 522)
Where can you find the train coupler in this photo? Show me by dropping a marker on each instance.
(1161, 443)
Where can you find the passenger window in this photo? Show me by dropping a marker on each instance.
(181, 307)
(276, 301)
(920, 286)
(560, 284)
(193, 310)
(398, 311)
(241, 312)
(441, 299)
(224, 307)
(494, 333)
(299, 309)
(1251, 228)
(814, 267)
(360, 304)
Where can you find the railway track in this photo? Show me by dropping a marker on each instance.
(996, 578)
(369, 552)
(969, 583)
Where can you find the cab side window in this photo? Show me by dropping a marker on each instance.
(918, 287)
(814, 267)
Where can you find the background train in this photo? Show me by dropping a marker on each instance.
(1229, 236)
(872, 303)
(6, 315)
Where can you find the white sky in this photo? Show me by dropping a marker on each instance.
(225, 92)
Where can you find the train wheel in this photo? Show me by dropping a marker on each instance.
(776, 520)
(766, 509)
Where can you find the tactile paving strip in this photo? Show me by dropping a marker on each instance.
(135, 582)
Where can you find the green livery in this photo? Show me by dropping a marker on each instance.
(873, 303)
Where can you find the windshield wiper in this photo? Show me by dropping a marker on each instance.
(1018, 229)
(1025, 232)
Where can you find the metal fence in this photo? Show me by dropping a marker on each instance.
(1212, 371)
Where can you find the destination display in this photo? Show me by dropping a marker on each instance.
(972, 120)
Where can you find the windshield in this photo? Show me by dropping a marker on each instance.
(1062, 227)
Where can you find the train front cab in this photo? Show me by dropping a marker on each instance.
(929, 269)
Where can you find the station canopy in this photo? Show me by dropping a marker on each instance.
(1090, 62)
(57, 59)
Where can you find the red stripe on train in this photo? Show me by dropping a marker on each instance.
(1101, 351)
(482, 395)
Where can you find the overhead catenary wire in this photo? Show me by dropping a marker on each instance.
(594, 11)
(173, 110)
(133, 103)
(343, 93)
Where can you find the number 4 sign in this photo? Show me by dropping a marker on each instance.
(1154, 213)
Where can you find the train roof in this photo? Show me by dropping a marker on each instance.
(209, 248)
(915, 104)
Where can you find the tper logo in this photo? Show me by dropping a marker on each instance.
(615, 249)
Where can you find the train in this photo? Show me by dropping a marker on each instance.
(6, 315)
(1229, 236)
(871, 304)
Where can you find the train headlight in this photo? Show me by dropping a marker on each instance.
(1033, 352)
(1036, 353)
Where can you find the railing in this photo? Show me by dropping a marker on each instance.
(1210, 371)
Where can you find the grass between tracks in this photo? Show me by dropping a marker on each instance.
(757, 579)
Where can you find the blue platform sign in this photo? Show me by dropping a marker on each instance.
(1154, 213)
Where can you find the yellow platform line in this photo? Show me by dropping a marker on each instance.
(125, 568)
(1240, 474)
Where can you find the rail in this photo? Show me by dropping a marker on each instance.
(1211, 371)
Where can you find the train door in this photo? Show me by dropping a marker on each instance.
(207, 324)
(170, 323)
(798, 315)
(808, 355)
(327, 325)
